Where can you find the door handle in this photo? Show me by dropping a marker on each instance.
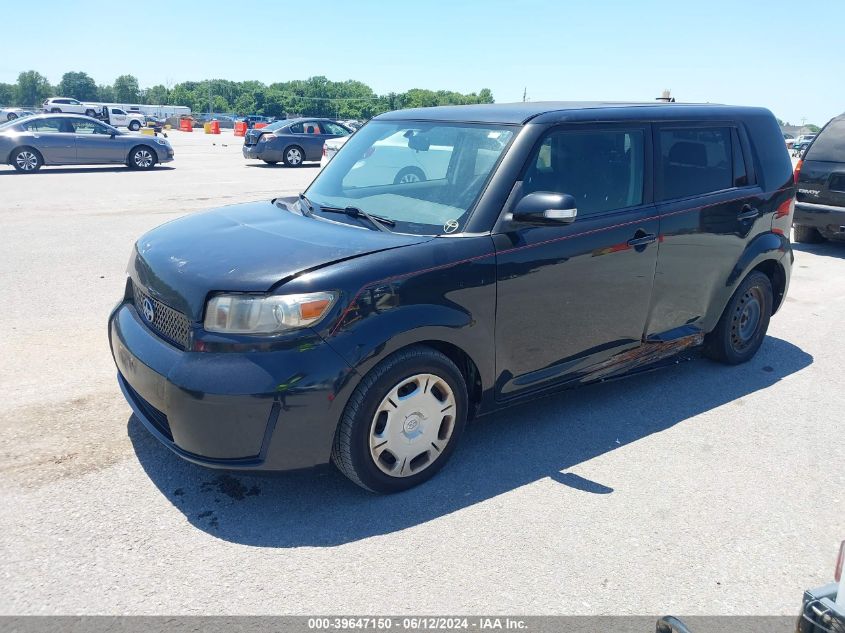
(748, 213)
(641, 238)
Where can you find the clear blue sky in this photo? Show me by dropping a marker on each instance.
(740, 51)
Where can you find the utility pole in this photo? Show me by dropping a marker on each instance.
(524, 93)
(210, 105)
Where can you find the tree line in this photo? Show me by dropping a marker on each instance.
(315, 96)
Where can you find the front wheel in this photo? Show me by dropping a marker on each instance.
(744, 323)
(142, 158)
(27, 160)
(403, 421)
(408, 175)
(294, 156)
(90, 113)
(11, 116)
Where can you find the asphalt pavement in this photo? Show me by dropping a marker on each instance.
(700, 489)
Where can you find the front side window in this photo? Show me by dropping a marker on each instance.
(695, 161)
(90, 127)
(334, 128)
(425, 176)
(601, 169)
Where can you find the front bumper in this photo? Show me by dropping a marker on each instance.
(828, 219)
(262, 410)
(165, 154)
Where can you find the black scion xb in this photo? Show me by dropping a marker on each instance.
(539, 246)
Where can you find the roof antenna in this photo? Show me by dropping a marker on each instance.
(666, 97)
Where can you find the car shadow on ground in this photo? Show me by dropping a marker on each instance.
(281, 165)
(831, 248)
(498, 453)
(84, 170)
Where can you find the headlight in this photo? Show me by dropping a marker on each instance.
(162, 141)
(262, 314)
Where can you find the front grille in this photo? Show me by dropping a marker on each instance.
(170, 324)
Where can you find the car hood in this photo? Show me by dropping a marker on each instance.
(244, 248)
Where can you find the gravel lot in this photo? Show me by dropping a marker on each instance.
(697, 490)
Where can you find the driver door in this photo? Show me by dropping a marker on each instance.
(571, 296)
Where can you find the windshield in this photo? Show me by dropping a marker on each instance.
(425, 176)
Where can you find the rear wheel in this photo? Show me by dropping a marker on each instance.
(11, 116)
(55, 110)
(142, 158)
(134, 126)
(27, 160)
(807, 234)
(294, 156)
(744, 323)
(90, 113)
(403, 421)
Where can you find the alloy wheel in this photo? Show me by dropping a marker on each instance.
(143, 158)
(412, 425)
(294, 156)
(26, 161)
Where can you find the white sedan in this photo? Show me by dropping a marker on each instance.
(10, 114)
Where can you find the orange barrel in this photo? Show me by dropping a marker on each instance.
(258, 126)
(240, 128)
(215, 127)
(186, 125)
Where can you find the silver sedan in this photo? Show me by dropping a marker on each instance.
(67, 139)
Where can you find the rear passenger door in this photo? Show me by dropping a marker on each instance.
(48, 137)
(710, 209)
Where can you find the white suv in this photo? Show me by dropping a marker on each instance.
(68, 106)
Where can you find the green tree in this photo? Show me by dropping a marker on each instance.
(815, 129)
(78, 85)
(485, 96)
(32, 88)
(105, 93)
(126, 89)
(7, 94)
(157, 95)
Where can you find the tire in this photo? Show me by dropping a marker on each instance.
(272, 162)
(55, 111)
(807, 234)
(134, 126)
(743, 324)
(409, 174)
(142, 157)
(90, 113)
(26, 159)
(11, 116)
(387, 453)
(294, 156)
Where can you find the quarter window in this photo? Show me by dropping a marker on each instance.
(695, 161)
(601, 169)
(740, 171)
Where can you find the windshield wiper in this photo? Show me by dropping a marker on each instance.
(381, 223)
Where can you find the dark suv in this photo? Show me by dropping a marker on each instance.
(820, 178)
(367, 320)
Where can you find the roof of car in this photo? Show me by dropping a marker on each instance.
(522, 112)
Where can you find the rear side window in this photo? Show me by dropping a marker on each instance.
(43, 125)
(601, 169)
(695, 161)
(830, 144)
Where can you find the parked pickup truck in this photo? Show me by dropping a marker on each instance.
(120, 118)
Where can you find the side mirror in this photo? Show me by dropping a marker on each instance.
(544, 207)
